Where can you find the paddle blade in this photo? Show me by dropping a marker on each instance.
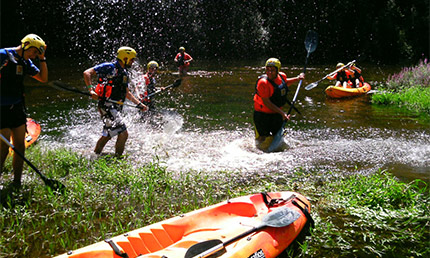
(277, 139)
(281, 217)
(311, 41)
(202, 247)
(311, 86)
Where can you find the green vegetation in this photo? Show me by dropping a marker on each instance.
(357, 215)
(409, 88)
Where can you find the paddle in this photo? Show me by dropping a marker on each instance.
(311, 42)
(173, 85)
(53, 184)
(278, 218)
(64, 86)
(314, 84)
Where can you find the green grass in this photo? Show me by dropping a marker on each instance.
(409, 88)
(356, 216)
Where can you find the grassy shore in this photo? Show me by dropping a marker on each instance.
(409, 88)
(355, 215)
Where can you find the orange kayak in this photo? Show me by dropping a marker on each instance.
(236, 226)
(32, 134)
(340, 92)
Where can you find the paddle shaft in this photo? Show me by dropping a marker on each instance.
(298, 87)
(60, 85)
(221, 246)
(44, 178)
(314, 84)
(158, 91)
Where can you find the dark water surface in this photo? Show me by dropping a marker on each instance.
(206, 124)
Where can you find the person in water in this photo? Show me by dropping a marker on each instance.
(15, 63)
(147, 87)
(183, 61)
(270, 95)
(113, 82)
(343, 77)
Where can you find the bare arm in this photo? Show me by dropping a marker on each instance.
(290, 81)
(42, 76)
(135, 100)
(88, 74)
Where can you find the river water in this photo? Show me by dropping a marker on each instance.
(206, 125)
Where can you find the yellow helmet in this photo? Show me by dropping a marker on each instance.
(339, 65)
(152, 64)
(274, 62)
(181, 49)
(126, 52)
(32, 40)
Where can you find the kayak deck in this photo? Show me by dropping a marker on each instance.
(173, 237)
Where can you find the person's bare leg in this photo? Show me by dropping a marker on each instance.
(101, 144)
(120, 143)
(18, 138)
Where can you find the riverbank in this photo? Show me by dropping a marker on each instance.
(355, 215)
(409, 88)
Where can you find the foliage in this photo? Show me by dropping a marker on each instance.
(409, 88)
(385, 30)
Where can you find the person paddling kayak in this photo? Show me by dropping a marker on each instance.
(270, 95)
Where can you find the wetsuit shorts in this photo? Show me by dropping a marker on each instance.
(267, 124)
(12, 116)
(112, 120)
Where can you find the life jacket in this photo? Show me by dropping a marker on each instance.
(342, 76)
(181, 59)
(114, 87)
(279, 96)
(150, 88)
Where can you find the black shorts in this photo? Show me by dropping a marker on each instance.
(12, 116)
(267, 124)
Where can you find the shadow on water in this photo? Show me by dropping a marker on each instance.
(206, 124)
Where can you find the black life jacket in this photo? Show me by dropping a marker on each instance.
(115, 87)
(181, 59)
(342, 76)
(12, 75)
(279, 96)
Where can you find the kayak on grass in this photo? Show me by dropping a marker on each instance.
(236, 226)
(32, 133)
(341, 92)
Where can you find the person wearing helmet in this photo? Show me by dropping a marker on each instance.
(270, 95)
(343, 77)
(112, 83)
(15, 63)
(147, 86)
(183, 60)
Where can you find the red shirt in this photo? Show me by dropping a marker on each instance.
(186, 57)
(265, 90)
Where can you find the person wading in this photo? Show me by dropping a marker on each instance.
(113, 81)
(270, 95)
